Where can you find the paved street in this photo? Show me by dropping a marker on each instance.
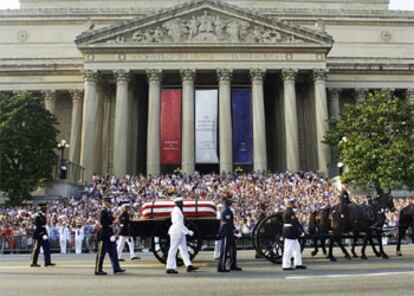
(73, 275)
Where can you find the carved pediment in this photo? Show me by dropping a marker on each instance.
(204, 22)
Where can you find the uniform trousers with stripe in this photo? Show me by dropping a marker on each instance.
(103, 248)
(227, 246)
(291, 248)
(41, 243)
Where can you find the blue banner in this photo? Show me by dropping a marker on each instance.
(241, 105)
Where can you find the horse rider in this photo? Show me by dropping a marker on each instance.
(178, 240)
(106, 239)
(227, 233)
(40, 237)
(291, 233)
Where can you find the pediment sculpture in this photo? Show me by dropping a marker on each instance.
(206, 28)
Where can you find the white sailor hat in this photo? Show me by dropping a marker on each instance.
(178, 199)
(219, 205)
(124, 205)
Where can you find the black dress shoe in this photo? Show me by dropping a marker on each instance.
(34, 265)
(50, 264)
(223, 270)
(236, 268)
(135, 258)
(101, 273)
(121, 260)
(171, 271)
(289, 268)
(120, 271)
(191, 268)
(300, 267)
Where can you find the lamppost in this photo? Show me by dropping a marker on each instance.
(62, 167)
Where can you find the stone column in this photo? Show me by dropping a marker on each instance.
(76, 126)
(121, 126)
(50, 100)
(225, 125)
(105, 130)
(321, 108)
(410, 94)
(154, 105)
(360, 94)
(334, 94)
(291, 120)
(259, 126)
(187, 150)
(87, 158)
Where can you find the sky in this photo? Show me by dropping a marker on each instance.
(394, 4)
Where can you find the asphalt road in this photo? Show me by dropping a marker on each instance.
(73, 275)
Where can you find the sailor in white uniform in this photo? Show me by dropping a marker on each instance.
(79, 236)
(178, 240)
(217, 242)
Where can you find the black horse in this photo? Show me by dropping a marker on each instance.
(326, 224)
(368, 219)
(406, 221)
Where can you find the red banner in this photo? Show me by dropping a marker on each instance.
(170, 134)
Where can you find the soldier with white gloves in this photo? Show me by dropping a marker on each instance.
(178, 240)
(79, 237)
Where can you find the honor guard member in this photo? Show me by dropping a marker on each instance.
(106, 239)
(79, 237)
(344, 197)
(291, 232)
(40, 237)
(125, 234)
(216, 254)
(178, 239)
(227, 234)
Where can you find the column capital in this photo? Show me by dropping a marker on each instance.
(410, 94)
(257, 74)
(121, 76)
(154, 75)
(77, 95)
(90, 76)
(319, 75)
(48, 94)
(289, 74)
(187, 75)
(224, 74)
(334, 93)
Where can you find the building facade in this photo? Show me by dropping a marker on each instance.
(149, 86)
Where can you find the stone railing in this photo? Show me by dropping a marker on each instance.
(74, 173)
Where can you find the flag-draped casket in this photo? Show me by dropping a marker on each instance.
(192, 209)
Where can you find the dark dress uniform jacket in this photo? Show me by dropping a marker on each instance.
(125, 224)
(227, 225)
(106, 220)
(344, 197)
(40, 223)
(290, 225)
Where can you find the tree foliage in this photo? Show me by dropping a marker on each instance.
(374, 139)
(28, 138)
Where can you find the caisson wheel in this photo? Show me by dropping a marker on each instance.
(268, 238)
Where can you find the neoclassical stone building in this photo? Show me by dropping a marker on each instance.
(148, 86)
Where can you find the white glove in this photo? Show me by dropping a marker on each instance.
(190, 233)
(45, 237)
(302, 234)
(112, 238)
(237, 234)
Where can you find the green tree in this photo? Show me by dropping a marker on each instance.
(28, 138)
(374, 139)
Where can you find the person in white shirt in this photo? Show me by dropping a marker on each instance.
(79, 236)
(178, 240)
(64, 235)
(217, 242)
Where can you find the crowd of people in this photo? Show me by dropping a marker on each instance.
(75, 219)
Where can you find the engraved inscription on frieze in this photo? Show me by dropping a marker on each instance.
(206, 27)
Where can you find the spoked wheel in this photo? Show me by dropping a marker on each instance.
(268, 238)
(160, 242)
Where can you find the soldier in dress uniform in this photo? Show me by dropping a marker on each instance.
(125, 234)
(106, 239)
(40, 237)
(291, 233)
(178, 240)
(227, 233)
(344, 197)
